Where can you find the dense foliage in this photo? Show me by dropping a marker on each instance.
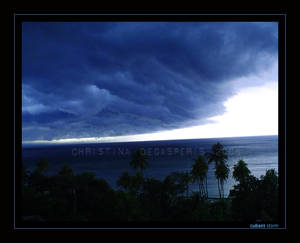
(67, 196)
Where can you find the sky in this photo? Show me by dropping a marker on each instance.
(138, 81)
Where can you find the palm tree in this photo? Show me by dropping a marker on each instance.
(125, 181)
(139, 161)
(219, 156)
(221, 172)
(199, 172)
(187, 178)
(240, 171)
(218, 153)
(130, 183)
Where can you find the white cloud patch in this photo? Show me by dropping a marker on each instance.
(85, 100)
(30, 102)
(89, 101)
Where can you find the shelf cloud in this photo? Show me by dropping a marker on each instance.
(84, 79)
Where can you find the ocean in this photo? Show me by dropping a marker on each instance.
(110, 160)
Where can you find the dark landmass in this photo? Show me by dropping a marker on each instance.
(70, 197)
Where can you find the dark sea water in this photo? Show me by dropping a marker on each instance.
(109, 160)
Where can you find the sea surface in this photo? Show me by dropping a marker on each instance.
(110, 160)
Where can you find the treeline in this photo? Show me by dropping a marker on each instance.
(67, 196)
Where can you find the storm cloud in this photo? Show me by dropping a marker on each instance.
(120, 78)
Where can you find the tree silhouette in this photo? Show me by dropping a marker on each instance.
(221, 172)
(25, 175)
(66, 196)
(180, 180)
(42, 166)
(132, 184)
(269, 189)
(219, 156)
(124, 180)
(66, 170)
(66, 179)
(187, 178)
(254, 199)
(199, 173)
(240, 171)
(37, 178)
(139, 161)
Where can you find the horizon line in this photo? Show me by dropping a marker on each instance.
(102, 140)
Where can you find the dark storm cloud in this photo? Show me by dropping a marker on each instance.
(108, 79)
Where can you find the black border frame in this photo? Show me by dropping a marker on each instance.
(23, 17)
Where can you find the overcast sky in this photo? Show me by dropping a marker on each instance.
(148, 80)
